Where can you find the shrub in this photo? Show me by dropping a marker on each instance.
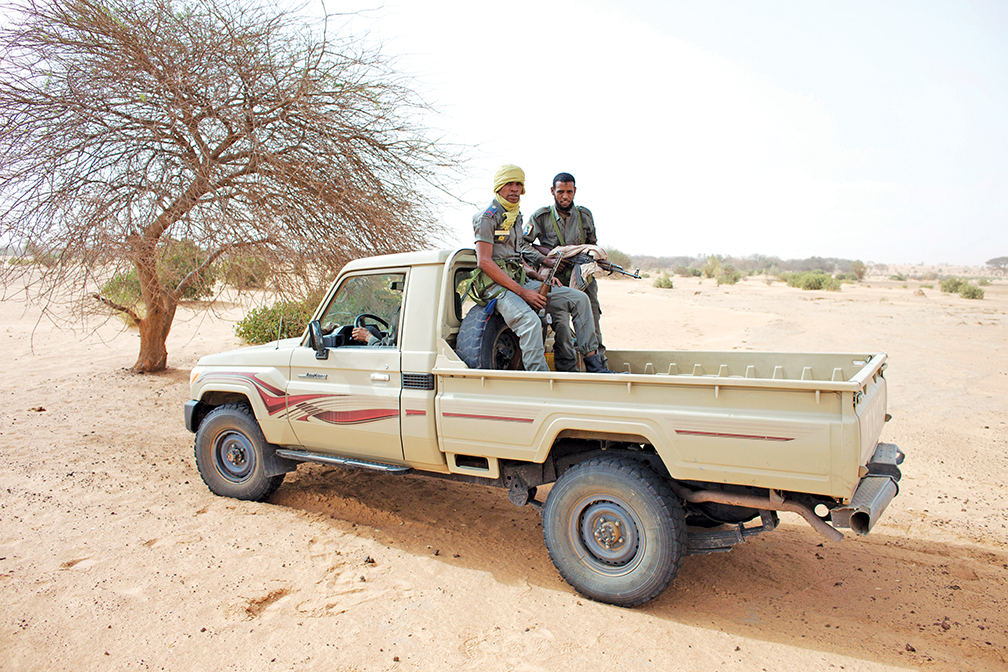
(859, 270)
(951, 285)
(984, 282)
(727, 275)
(711, 267)
(245, 272)
(968, 291)
(176, 260)
(811, 280)
(663, 282)
(928, 286)
(899, 277)
(260, 325)
(687, 272)
(645, 275)
(617, 257)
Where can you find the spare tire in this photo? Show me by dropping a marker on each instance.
(486, 342)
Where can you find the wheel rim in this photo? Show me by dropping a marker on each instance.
(505, 351)
(234, 456)
(607, 534)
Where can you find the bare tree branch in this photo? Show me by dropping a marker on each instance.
(125, 126)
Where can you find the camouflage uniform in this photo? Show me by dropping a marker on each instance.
(508, 250)
(552, 229)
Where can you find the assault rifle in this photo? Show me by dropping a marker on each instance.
(582, 258)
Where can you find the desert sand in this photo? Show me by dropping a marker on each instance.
(115, 556)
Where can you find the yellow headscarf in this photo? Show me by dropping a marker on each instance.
(508, 173)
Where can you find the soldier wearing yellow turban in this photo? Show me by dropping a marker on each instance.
(503, 277)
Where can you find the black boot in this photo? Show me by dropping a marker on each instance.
(593, 364)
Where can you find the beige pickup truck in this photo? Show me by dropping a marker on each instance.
(681, 453)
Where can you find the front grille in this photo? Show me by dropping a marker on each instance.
(418, 381)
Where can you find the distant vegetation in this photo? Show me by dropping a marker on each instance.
(962, 287)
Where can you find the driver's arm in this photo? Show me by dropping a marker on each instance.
(363, 335)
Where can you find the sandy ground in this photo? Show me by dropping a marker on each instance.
(114, 555)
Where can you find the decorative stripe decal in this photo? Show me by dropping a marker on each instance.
(486, 417)
(725, 435)
(354, 417)
(411, 412)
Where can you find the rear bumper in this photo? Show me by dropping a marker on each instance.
(873, 493)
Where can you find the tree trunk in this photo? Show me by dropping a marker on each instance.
(154, 330)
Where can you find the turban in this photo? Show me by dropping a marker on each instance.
(508, 173)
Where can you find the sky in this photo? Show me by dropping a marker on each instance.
(863, 130)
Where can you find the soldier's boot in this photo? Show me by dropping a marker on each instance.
(593, 364)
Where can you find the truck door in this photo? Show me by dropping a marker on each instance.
(348, 403)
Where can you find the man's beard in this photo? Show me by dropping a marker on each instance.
(561, 209)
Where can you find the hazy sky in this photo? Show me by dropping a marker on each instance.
(869, 130)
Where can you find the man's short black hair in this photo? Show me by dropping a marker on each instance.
(563, 177)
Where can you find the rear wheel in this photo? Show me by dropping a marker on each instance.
(614, 531)
(230, 454)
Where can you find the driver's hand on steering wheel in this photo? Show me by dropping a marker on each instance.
(361, 334)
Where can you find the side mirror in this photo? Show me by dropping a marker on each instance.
(315, 340)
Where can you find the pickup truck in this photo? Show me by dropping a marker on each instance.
(679, 453)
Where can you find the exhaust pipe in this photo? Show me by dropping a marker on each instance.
(872, 496)
(754, 502)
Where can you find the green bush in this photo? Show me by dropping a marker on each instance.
(245, 272)
(123, 288)
(688, 272)
(899, 277)
(260, 325)
(645, 275)
(928, 286)
(951, 285)
(811, 280)
(176, 260)
(968, 291)
(727, 275)
(663, 282)
(984, 282)
(711, 267)
(617, 257)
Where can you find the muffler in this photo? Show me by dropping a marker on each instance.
(872, 496)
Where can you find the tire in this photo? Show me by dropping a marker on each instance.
(614, 531)
(486, 342)
(230, 454)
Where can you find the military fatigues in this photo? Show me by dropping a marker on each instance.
(552, 230)
(508, 246)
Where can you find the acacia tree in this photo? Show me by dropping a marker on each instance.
(999, 264)
(128, 124)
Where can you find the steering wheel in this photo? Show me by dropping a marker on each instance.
(361, 321)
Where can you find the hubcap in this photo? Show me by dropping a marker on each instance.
(608, 533)
(234, 456)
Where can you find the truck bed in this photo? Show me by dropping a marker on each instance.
(796, 422)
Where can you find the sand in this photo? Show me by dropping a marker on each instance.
(114, 555)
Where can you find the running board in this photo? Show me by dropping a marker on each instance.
(348, 462)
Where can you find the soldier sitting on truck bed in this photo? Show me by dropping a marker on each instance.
(504, 276)
(564, 223)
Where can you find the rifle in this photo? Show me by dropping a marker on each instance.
(582, 258)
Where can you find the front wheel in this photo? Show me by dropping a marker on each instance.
(230, 454)
(614, 531)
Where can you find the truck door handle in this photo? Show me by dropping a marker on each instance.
(379, 377)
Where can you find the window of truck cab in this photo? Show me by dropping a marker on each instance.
(378, 294)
